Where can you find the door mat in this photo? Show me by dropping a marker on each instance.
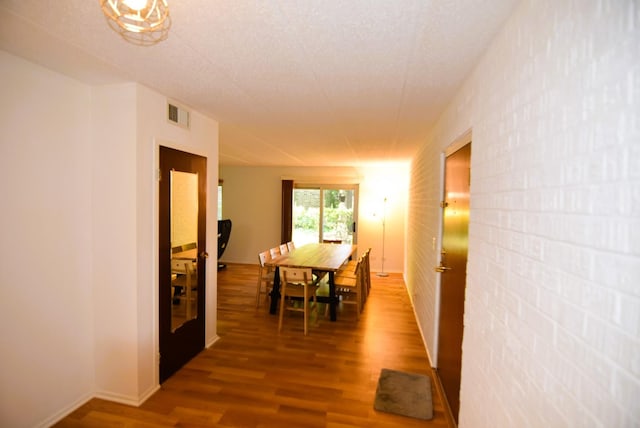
(406, 394)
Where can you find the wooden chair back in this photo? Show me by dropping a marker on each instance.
(265, 276)
(298, 283)
(275, 252)
(184, 277)
(350, 285)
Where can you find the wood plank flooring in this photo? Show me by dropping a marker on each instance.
(254, 377)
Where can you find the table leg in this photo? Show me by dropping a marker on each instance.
(275, 292)
(333, 302)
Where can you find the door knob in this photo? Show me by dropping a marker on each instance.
(204, 255)
(441, 268)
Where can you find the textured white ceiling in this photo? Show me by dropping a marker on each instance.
(292, 82)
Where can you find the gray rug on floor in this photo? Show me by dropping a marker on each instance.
(406, 394)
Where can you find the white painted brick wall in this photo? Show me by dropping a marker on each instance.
(552, 315)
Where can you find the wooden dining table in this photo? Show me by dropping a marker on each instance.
(191, 254)
(322, 258)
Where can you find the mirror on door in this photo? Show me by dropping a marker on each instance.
(184, 247)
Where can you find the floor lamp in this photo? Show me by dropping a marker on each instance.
(384, 218)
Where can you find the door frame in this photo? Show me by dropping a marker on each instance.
(193, 333)
(457, 144)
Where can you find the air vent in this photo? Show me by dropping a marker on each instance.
(178, 115)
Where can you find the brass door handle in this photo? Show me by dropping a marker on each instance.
(441, 268)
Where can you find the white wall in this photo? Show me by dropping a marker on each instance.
(552, 313)
(126, 201)
(79, 251)
(252, 200)
(114, 241)
(201, 139)
(46, 339)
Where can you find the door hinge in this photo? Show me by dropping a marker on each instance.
(159, 174)
(444, 204)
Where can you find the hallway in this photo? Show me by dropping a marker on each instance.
(252, 377)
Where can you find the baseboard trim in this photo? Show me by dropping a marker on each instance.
(118, 398)
(126, 399)
(415, 317)
(434, 371)
(212, 342)
(144, 397)
(61, 414)
(445, 403)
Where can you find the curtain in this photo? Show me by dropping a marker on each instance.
(287, 217)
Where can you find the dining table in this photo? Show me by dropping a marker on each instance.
(321, 258)
(190, 254)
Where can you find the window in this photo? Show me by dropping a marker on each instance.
(324, 213)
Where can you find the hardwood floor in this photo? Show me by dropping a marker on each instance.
(255, 377)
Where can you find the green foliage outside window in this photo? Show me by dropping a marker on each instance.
(335, 218)
(338, 218)
(306, 218)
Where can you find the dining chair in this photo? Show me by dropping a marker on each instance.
(349, 269)
(350, 285)
(265, 276)
(291, 245)
(366, 270)
(184, 281)
(275, 252)
(284, 249)
(296, 284)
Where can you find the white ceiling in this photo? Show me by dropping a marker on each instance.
(292, 82)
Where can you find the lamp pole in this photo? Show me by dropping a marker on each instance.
(384, 218)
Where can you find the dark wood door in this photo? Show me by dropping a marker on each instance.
(453, 268)
(182, 250)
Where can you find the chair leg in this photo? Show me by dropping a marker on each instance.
(358, 296)
(258, 292)
(315, 308)
(306, 309)
(281, 307)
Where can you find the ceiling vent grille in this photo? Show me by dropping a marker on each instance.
(178, 116)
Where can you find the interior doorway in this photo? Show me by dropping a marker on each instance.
(453, 269)
(181, 259)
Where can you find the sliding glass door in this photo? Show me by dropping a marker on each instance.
(324, 213)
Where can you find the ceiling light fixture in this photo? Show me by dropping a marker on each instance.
(142, 22)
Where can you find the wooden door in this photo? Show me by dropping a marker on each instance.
(453, 268)
(182, 252)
